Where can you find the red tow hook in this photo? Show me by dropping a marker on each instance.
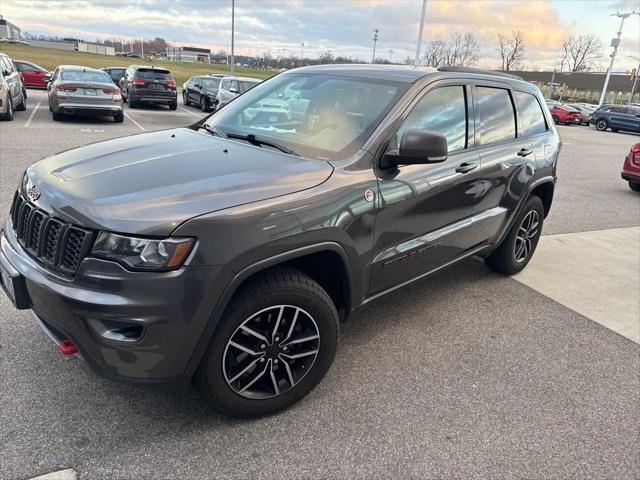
(67, 347)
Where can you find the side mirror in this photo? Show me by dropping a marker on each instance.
(234, 90)
(417, 147)
(47, 77)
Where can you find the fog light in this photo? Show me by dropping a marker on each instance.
(117, 330)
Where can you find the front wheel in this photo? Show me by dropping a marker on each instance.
(516, 250)
(274, 344)
(173, 105)
(601, 125)
(203, 104)
(119, 117)
(185, 98)
(22, 106)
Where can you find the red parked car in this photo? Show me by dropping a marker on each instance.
(631, 168)
(32, 74)
(564, 114)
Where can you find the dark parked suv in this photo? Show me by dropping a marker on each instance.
(143, 84)
(617, 117)
(231, 250)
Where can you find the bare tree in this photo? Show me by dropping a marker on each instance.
(580, 53)
(461, 50)
(434, 56)
(511, 50)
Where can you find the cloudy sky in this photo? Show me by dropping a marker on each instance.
(343, 26)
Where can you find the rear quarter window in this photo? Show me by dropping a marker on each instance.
(531, 115)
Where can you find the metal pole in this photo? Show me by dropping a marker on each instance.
(419, 44)
(616, 43)
(375, 39)
(553, 83)
(142, 47)
(233, 25)
(302, 53)
(633, 87)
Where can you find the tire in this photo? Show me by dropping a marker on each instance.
(185, 98)
(173, 105)
(124, 98)
(57, 116)
(8, 116)
(22, 106)
(555, 119)
(203, 104)
(602, 125)
(269, 303)
(634, 186)
(506, 259)
(132, 103)
(119, 117)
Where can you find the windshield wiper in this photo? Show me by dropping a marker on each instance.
(253, 140)
(213, 130)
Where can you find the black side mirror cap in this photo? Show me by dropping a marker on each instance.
(417, 147)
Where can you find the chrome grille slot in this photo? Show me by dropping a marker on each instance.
(57, 244)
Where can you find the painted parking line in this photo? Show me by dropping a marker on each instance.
(134, 122)
(68, 474)
(190, 112)
(594, 273)
(33, 112)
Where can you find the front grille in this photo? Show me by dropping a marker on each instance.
(57, 244)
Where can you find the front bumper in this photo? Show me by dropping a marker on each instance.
(172, 307)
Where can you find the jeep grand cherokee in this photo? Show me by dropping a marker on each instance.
(230, 251)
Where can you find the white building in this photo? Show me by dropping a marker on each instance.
(9, 30)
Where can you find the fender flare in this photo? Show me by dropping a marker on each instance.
(261, 265)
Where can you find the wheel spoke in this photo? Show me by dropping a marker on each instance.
(519, 251)
(278, 320)
(273, 379)
(299, 355)
(243, 348)
(299, 340)
(244, 370)
(255, 379)
(254, 333)
(293, 324)
(288, 369)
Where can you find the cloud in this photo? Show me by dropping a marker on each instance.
(280, 26)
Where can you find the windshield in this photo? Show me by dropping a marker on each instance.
(85, 76)
(318, 116)
(210, 83)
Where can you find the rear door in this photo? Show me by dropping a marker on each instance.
(507, 158)
(195, 89)
(623, 118)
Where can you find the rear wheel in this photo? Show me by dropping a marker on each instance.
(22, 106)
(132, 103)
(634, 186)
(57, 116)
(173, 105)
(274, 344)
(119, 117)
(8, 116)
(185, 98)
(516, 250)
(601, 125)
(203, 104)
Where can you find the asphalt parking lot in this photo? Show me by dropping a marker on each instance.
(467, 374)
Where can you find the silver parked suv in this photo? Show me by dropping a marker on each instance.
(231, 87)
(73, 89)
(13, 95)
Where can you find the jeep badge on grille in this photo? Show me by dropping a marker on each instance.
(33, 193)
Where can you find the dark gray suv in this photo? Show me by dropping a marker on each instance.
(230, 251)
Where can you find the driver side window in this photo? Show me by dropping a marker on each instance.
(443, 111)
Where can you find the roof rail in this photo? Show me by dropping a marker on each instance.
(478, 70)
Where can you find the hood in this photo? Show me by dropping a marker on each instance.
(152, 182)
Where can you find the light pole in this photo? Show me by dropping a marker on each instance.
(375, 40)
(419, 44)
(142, 47)
(301, 53)
(233, 25)
(615, 43)
(391, 56)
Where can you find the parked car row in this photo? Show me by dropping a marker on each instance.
(614, 117)
(13, 95)
(211, 92)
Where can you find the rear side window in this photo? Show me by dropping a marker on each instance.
(443, 111)
(531, 114)
(496, 118)
(153, 74)
(618, 110)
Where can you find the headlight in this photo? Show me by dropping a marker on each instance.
(143, 253)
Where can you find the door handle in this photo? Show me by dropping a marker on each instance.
(466, 167)
(524, 152)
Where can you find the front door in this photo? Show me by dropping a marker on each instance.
(424, 220)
